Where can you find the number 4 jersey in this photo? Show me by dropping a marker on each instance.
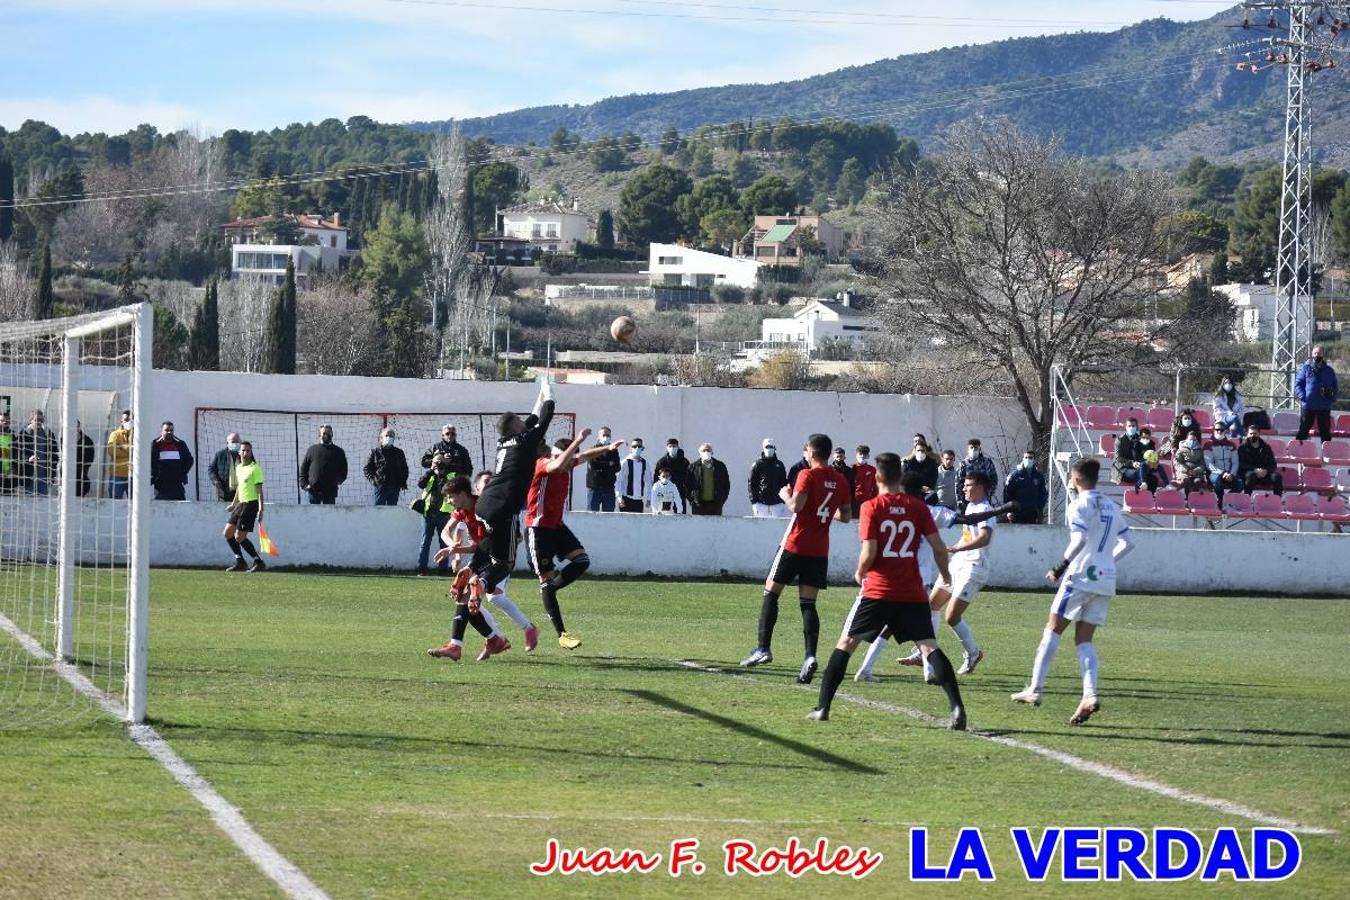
(1099, 520)
(826, 490)
(898, 523)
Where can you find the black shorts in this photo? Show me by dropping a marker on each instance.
(244, 515)
(544, 545)
(906, 621)
(500, 544)
(808, 571)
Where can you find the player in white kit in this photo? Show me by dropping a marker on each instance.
(1098, 538)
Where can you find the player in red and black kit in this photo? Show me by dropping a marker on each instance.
(893, 595)
(819, 495)
(864, 478)
(546, 537)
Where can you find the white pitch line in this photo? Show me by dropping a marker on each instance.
(1129, 779)
(287, 876)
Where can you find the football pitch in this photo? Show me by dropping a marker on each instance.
(309, 703)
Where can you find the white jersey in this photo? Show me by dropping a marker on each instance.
(943, 518)
(973, 559)
(666, 499)
(1100, 522)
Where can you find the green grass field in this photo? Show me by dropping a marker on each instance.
(308, 702)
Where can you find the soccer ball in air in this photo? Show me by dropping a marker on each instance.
(622, 329)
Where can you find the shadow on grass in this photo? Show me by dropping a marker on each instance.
(757, 733)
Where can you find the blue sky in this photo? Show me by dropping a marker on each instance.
(98, 65)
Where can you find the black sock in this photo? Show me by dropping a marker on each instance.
(572, 571)
(248, 547)
(460, 623)
(835, 670)
(810, 626)
(479, 623)
(234, 548)
(768, 618)
(946, 676)
(548, 591)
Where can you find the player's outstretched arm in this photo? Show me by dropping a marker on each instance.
(1077, 544)
(588, 455)
(1011, 506)
(568, 457)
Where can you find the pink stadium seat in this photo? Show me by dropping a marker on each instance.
(1343, 480)
(1306, 453)
(1170, 503)
(1301, 506)
(1279, 448)
(1070, 415)
(1203, 419)
(1284, 422)
(1336, 452)
(1237, 504)
(1139, 502)
(1203, 504)
(1267, 506)
(1102, 418)
(1160, 420)
(1333, 509)
(1138, 414)
(1108, 445)
(1317, 480)
(1341, 427)
(1291, 478)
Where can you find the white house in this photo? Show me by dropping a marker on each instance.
(671, 265)
(1255, 310)
(815, 323)
(254, 251)
(549, 226)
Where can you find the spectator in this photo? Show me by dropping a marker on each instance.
(666, 497)
(923, 463)
(38, 454)
(1256, 464)
(84, 460)
(119, 458)
(1229, 407)
(975, 462)
(767, 477)
(1189, 472)
(387, 469)
(864, 477)
(1026, 487)
(433, 505)
(1129, 455)
(1221, 459)
(1146, 440)
(449, 447)
(8, 457)
(946, 480)
(708, 484)
(632, 481)
(1316, 388)
(170, 462)
(677, 464)
(839, 462)
(223, 466)
(323, 469)
(602, 473)
(920, 439)
(1183, 426)
(1153, 474)
(799, 466)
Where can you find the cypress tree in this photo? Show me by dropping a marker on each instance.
(604, 230)
(281, 327)
(6, 197)
(126, 283)
(204, 349)
(45, 300)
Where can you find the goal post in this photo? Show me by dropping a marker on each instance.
(74, 516)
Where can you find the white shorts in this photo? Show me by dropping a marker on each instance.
(966, 583)
(768, 511)
(1078, 605)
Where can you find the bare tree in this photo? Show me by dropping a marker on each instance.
(17, 287)
(1321, 240)
(338, 327)
(244, 304)
(182, 219)
(1006, 254)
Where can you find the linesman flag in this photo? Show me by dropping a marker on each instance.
(266, 543)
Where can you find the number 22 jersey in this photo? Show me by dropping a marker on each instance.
(898, 523)
(826, 491)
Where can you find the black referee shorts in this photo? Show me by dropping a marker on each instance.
(244, 516)
(907, 621)
(809, 571)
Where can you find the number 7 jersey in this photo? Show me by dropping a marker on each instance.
(1100, 521)
(826, 491)
(899, 524)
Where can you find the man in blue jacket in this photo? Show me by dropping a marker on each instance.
(1315, 388)
(1026, 487)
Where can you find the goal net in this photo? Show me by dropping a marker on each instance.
(73, 517)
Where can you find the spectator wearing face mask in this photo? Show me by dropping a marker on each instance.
(677, 464)
(1221, 459)
(221, 470)
(1229, 407)
(1256, 464)
(1026, 487)
(767, 477)
(1183, 426)
(946, 480)
(1189, 472)
(975, 463)
(387, 469)
(119, 459)
(708, 484)
(1129, 455)
(864, 477)
(323, 469)
(602, 473)
(839, 462)
(631, 486)
(923, 463)
(170, 462)
(1316, 389)
(666, 499)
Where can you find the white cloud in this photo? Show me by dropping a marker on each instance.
(100, 113)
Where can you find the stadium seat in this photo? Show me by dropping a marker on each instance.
(1267, 506)
(1237, 504)
(1291, 478)
(1203, 504)
(1341, 427)
(1279, 448)
(1333, 509)
(1160, 420)
(1070, 415)
(1108, 445)
(1342, 480)
(1301, 506)
(1102, 418)
(1203, 419)
(1317, 480)
(1170, 503)
(1336, 452)
(1284, 422)
(1305, 453)
(1139, 502)
(1139, 414)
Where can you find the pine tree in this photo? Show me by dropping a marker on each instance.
(281, 327)
(45, 301)
(204, 348)
(6, 197)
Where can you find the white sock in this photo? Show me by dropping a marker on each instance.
(968, 644)
(508, 606)
(1045, 655)
(937, 623)
(873, 654)
(492, 623)
(1087, 664)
